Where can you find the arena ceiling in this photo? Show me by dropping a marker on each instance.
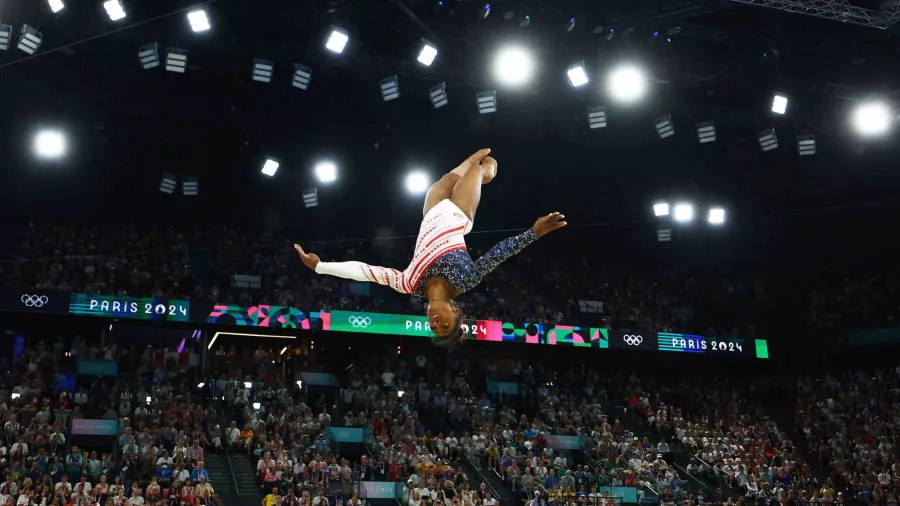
(723, 62)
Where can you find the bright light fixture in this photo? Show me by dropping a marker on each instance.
(248, 384)
(577, 75)
(417, 182)
(661, 209)
(270, 167)
(50, 144)
(779, 104)
(427, 54)
(627, 83)
(684, 213)
(114, 9)
(199, 20)
(716, 216)
(256, 405)
(514, 66)
(56, 5)
(872, 118)
(337, 41)
(326, 172)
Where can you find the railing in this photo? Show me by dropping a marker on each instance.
(226, 441)
(476, 467)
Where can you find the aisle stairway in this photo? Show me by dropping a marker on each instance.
(245, 476)
(220, 478)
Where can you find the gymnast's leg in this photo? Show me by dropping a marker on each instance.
(467, 191)
(443, 189)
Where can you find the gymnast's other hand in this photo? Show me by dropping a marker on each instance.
(310, 260)
(546, 224)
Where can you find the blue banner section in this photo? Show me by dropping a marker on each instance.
(874, 337)
(98, 368)
(378, 489)
(502, 388)
(620, 494)
(345, 435)
(86, 427)
(563, 442)
(319, 379)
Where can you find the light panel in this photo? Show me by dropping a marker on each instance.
(514, 66)
(664, 126)
(390, 88)
(873, 118)
(176, 60)
(56, 5)
(326, 172)
(190, 186)
(487, 102)
(302, 76)
(337, 41)
(779, 104)
(577, 75)
(263, 70)
(114, 9)
(30, 39)
(664, 234)
(684, 213)
(438, 95)
(50, 144)
(167, 183)
(311, 197)
(627, 84)
(417, 182)
(716, 216)
(270, 167)
(148, 55)
(661, 209)
(199, 20)
(706, 132)
(768, 140)
(5, 36)
(596, 117)
(806, 144)
(427, 54)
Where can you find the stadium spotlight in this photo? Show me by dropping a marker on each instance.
(577, 74)
(114, 9)
(190, 186)
(337, 41)
(263, 70)
(270, 167)
(5, 36)
(485, 11)
(716, 216)
(514, 66)
(487, 102)
(779, 104)
(326, 172)
(416, 182)
(199, 20)
(439, 96)
(50, 144)
(684, 213)
(806, 144)
(661, 209)
(168, 183)
(664, 126)
(872, 118)
(176, 59)
(596, 117)
(302, 76)
(148, 54)
(390, 88)
(30, 40)
(310, 197)
(664, 234)
(427, 54)
(627, 83)
(56, 5)
(706, 132)
(767, 139)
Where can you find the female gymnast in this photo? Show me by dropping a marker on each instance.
(441, 268)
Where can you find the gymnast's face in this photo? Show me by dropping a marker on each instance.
(442, 317)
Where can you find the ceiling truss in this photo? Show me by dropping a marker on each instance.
(836, 10)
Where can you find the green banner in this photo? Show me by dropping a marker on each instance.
(380, 323)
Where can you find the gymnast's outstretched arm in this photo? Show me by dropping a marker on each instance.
(513, 245)
(357, 271)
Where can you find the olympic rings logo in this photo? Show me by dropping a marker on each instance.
(360, 321)
(632, 340)
(34, 300)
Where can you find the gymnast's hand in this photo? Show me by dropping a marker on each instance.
(310, 260)
(543, 226)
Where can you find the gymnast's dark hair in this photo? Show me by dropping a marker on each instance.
(452, 340)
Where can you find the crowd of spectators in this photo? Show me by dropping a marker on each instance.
(201, 264)
(157, 458)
